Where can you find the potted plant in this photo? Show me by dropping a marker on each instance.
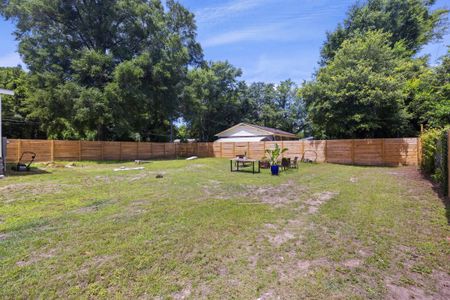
(273, 158)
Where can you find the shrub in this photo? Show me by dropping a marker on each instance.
(434, 155)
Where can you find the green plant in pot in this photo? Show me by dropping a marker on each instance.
(273, 158)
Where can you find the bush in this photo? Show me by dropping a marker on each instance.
(434, 155)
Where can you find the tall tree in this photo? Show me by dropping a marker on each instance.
(105, 68)
(277, 106)
(410, 21)
(430, 95)
(212, 101)
(359, 94)
(15, 109)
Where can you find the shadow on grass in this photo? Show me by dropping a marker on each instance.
(437, 188)
(33, 171)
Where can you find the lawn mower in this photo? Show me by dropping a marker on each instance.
(24, 167)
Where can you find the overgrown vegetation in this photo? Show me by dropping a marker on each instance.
(322, 231)
(371, 82)
(435, 155)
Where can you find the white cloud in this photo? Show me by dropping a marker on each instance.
(219, 12)
(280, 32)
(254, 33)
(11, 60)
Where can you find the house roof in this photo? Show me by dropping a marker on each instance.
(267, 130)
(241, 139)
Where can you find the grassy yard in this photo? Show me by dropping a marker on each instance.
(324, 231)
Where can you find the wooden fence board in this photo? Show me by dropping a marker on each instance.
(12, 151)
(66, 150)
(256, 150)
(91, 150)
(399, 151)
(111, 150)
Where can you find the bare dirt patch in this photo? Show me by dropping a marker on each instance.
(95, 262)
(442, 280)
(281, 238)
(352, 263)
(395, 292)
(317, 200)
(184, 293)
(36, 257)
(3, 236)
(20, 191)
(269, 295)
(282, 194)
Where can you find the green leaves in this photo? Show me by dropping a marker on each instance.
(359, 93)
(121, 64)
(275, 154)
(411, 22)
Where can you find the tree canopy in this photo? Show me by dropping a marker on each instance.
(359, 94)
(410, 21)
(105, 69)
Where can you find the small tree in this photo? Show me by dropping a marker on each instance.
(275, 153)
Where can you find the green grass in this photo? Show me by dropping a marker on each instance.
(202, 232)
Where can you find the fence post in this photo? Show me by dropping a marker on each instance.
(79, 150)
(137, 150)
(448, 164)
(326, 151)
(19, 150)
(52, 150)
(102, 150)
(120, 150)
(302, 149)
(382, 152)
(419, 152)
(353, 151)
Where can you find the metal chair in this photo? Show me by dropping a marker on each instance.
(285, 163)
(294, 163)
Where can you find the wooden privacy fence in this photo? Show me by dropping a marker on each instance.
(398, 151)
(51, 150)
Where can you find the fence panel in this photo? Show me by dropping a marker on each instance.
(256, 150)
(91, 150)
(13, 151)
(314, 150)
(339, 151)
(294, 149)
(42, 148)
(144, 150)
(401, 151)
(368, 152)
(111, 151)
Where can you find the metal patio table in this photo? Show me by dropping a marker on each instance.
(243, 161)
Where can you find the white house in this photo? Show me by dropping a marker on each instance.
(244, 132)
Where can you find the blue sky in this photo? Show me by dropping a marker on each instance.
(269, 40)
